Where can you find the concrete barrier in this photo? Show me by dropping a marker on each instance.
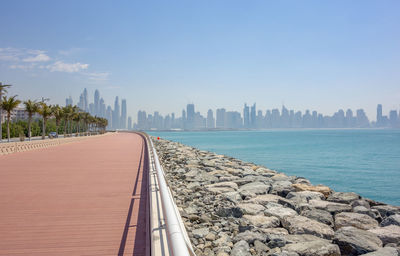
(14, 147)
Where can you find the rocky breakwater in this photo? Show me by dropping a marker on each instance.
(231, 207)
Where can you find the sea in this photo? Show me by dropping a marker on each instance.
(365, 161)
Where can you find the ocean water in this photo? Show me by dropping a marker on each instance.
(363, 161)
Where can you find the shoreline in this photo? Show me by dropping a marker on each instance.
(232, 207)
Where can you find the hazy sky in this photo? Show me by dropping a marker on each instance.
(161, 55)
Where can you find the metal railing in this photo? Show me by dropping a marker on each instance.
(177, 238)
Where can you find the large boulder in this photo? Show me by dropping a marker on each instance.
(319, 215)
(331, 207)
(387, 210)
(314, 248)
(277, 210)
(354, 241)
(301, 225)
(343, 197)
(241, 248)
(388, 234)
(265, 199)
(387, 251)
(391, 220)
(305, 196)
(249, 237)
(262, 221)
(222, 187)
(251, 209)
(257, 188)
(357, 220)
(326, 191)
(281, 187)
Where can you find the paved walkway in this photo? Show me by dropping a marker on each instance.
(83, 198)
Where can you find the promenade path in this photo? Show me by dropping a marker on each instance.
(83, 198)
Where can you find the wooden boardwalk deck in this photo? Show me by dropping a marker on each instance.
(84, 198)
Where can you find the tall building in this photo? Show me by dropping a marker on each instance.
(109, 117)
(123, 114)
(379, 115)
(190, 116)
(393, 118)
(246, 116)
(68, 101)
(253, 119)
(116, 114)
(97, 103)
(102, 108)
(210, 119)
(220, 123)
(142, 120)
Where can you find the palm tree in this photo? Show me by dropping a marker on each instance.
(45, 111)
(3, 90)
(77, 118)
(31, 107)
(8, 105)
(66, 110)
(58, 114)
(86, 118)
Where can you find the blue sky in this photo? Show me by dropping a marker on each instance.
(161, 55)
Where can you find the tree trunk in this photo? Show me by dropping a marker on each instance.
(43, 130)
(8, 127)
(29, 128)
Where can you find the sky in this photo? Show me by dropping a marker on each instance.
(162, 55)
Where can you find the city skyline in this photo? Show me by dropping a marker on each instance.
(306, 55)
(251, 118)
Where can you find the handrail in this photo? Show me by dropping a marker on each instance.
(179, 244)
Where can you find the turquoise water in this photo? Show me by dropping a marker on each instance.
(363, 161)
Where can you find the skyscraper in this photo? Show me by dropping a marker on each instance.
(116, 114)
(97, 103)
(220, 118)
(109, 115)
(253, 119)
(129, 123)
(102, 108)
(246, 116)
(190, 116)
(123, 114)
(210, 119)
(379, 115)
(68, 101)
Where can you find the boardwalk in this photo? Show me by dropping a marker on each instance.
(84, 198)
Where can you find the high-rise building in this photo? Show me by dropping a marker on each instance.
(97, 103)
(253, 119)
(142, 120)
(379, 115)
(68, 101)
(393, 118)
(109, 117)
(220, 123)
(362, 119)
(123, 114)
(210, 119)
(102, 108)
(116, 114)
(190, 116)
(246, 116)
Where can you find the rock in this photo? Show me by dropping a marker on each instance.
(200, 233)
(357, 220)
(210, 237)
(260, 247)
(354, 241)
(262, 221)
(302, 225)
(281, 187)
(360, 202)
(305, 196)
(387, 251)
(280, 176)
(234, 197)
(388, 234)
(363, 210)
(294, 239)
(229, 211)
(330, 206)
(391, 220)
(265, 199)
(241, 248)
(326, 191)
(319, 215)
(190, 210)
(285, 253)
(251, 209)
(387, 210)
(343, 197)
(257, 188)
(314, 248)
(222, 187)
(249, 237)
(275, 231)
(277, 210)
